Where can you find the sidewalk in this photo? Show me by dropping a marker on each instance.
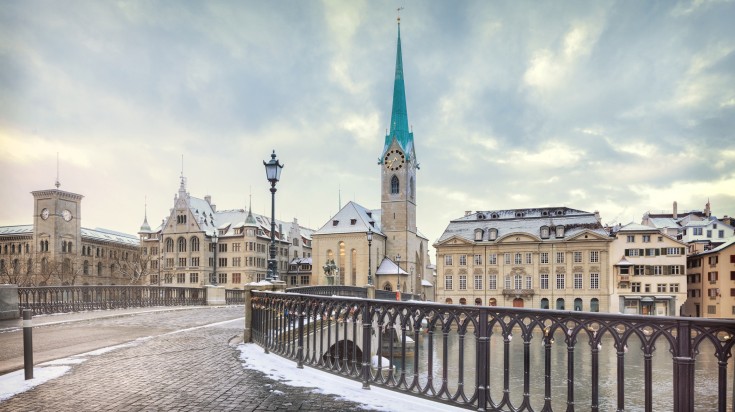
(193, 369)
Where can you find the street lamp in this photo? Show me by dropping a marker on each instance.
(214, 263)
(370, 255)
(398, 273)
(273, 173)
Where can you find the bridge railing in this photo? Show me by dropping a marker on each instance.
(354, 291)
(63, 299)
(461, 355)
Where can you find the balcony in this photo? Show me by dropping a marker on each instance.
(519, 293)
(623, 278)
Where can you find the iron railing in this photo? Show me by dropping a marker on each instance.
(461, 355)
(353, 291)
(62, 299)
(234, 297)
(389, 295)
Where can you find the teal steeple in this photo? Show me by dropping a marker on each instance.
(399, 129)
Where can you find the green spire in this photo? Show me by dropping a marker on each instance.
(399, 116)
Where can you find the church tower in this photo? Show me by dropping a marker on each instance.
(398, 174)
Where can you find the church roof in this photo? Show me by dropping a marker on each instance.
(399, 128)
(352, 218)
(389, 267)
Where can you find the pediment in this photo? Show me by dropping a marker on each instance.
(588, 235)
(518, 238)
(454, 241)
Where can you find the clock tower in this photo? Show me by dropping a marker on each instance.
(56, 221)
(398, 176)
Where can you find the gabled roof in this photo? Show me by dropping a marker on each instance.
(728, 242)
(634, 227)
(389, 267)
(352, 218)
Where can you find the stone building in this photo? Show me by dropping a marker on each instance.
(553, 257)
(711, 281)
(648, 271)
(396, 240)
(56, 250)
(196, 244)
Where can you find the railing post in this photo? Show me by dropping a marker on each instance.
(483, 341)
(28, 343)
(683, 369)
(366, 349)
(300, 349)
(248, 328)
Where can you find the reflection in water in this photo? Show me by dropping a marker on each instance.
(706, 373)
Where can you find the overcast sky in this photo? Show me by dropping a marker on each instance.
(620, 107)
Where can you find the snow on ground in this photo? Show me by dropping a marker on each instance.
(14, 383)
(286, 372)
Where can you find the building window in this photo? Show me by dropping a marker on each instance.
(493, 234)
(517, 282)
(463, 260)
(594, 280)
(236, 246)
(594, 305)
(222, 262)
(223, 247)
(448, 282)
(193, 278)
(560, 231)
(711, 309)
(630, 238)
(647, 288)
(594, 256)
(544, 257)
(528, 282)
(195, 261)
(544, 281)
(237, 278)
(661, 287)
(639, 270)
(560, 281)
(182, 244)
(673, 288)
(478, 234)
(169, 245)
(182, 261)
(506, 258)
(529, 258)
(478, 282)
(721, 234)
(507, 282)
(709, 233)
(478, 260)
(181, 278)
(492, 282)
(492, 259)
(447, 260)
(560, 304)
(646, 238)
(195, 244)
(632, 252)
(222, 278)
(635, 287)
(518, 259)
(236, 261)
(559, 257)
(544, 232)
(577, 257)
(462, 282)
(675, 270)
(577, 281)
(394, 185)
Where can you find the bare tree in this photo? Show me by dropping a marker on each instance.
(135, 269)
(18, 271)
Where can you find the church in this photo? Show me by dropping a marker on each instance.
(359, 245)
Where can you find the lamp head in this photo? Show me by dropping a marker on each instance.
(273, 169)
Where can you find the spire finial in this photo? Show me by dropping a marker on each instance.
(398, 12)
(57, 184)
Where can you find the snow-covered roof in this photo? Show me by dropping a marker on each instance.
(425, 282)
(105, 235)
(17, 230)
(728, 242)
(634, 227)
(523, 221)
(389, 267)
(352, 218)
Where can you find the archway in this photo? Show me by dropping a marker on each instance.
(560, 304)
(578, 304)
(544, 303)
(448, 301)
(493, 302)
(462, 301)
(517, 303)
(478, 302)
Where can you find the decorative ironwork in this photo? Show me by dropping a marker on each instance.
(354, 291)
(234, 297)
(63, 299)
(394, 344)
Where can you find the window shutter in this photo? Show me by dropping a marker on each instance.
(666, 269)
(641, 252)
(681, 270)
(648, 270)
(658, 252)
(627, 252)
(663, 251)
(682, 251)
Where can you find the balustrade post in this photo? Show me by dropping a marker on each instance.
(483, 341)
(366, 349)
(300, 350)
(683, 368)
(247, 336)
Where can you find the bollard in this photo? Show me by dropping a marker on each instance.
(28, 343)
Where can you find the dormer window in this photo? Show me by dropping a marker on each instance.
(353, 222)
(559, 212)
(494, 216)
(478, 235)
(519, 214)
(335, 222)
(480, 216)
(544, 232)
(493, 234)
(545, 213)
(370, 214)
(560, 231)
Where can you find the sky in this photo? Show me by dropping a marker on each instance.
(618, 107)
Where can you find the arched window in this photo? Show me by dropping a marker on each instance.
(478, 301)
(112, 269)
(182, 244)
(169, 245)
(560, 304)
(412, 188)
(63, 246)
(493, 302)
(388, 287)
(478, 235)
(66, 266)
(29, 267)
(68, 247)
(578, 304)
(353, 264)
(448, 301)
(462, 301)
(544, 303)
(394, 186)
(195, 244)
(2, 265)
(99, 268)
(594, 305)
(86, 267)
(44, 265)
(16, 266)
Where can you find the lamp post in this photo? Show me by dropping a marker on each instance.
(398, 272)
(370, 255)
(273, 173)
(214, 262)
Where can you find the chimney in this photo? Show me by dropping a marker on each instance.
(280, 231)
(597, 216)
(467, 212)
(208, 198)
(675, 214)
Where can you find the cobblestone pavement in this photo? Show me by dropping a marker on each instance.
(191, 370)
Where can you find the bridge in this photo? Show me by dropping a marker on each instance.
(493, 358)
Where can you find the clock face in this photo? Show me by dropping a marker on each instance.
(44, 214)
(394, 160)
(66, 214)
